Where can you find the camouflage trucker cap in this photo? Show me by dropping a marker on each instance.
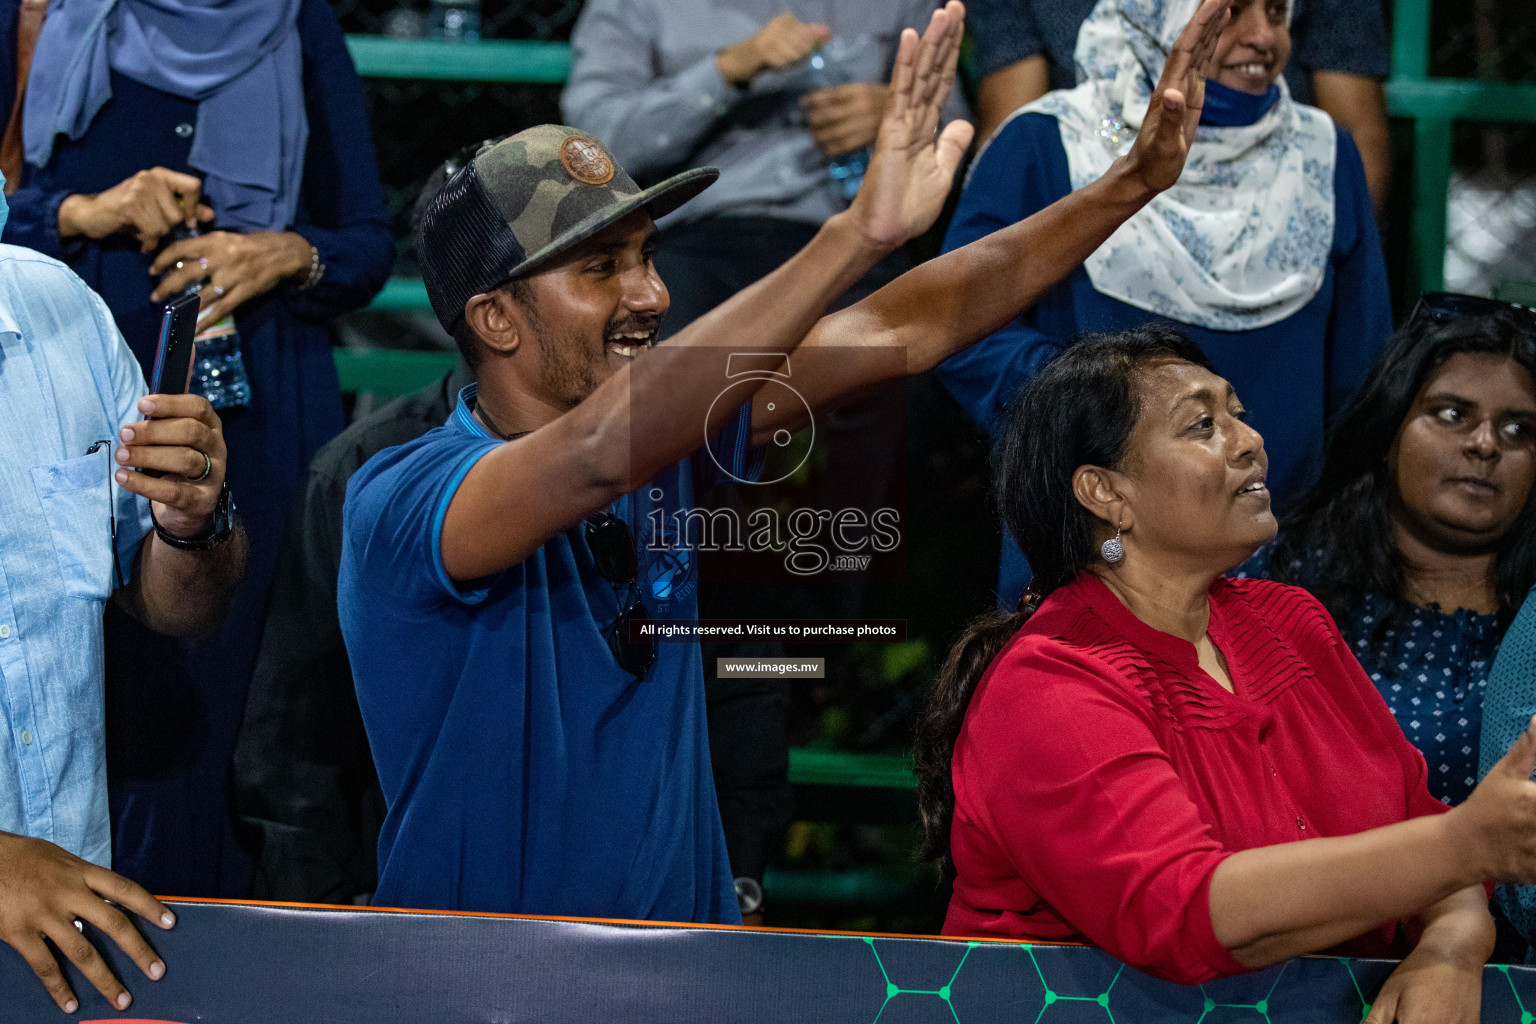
(524, 200)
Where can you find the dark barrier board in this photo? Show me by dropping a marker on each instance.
(250, 964)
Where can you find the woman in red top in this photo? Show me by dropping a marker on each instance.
(1130, 757)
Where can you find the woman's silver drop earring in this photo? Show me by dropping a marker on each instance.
(1112, 549)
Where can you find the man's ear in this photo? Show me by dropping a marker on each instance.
(1097, 490)
(497, 320)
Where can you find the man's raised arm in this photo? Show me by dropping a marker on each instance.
(948, 303)
(661, 407)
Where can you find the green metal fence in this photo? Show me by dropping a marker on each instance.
(529, 61)
(1434, 105)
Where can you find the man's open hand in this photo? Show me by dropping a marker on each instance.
(1162, 143)
(44, 890)
(911, 170)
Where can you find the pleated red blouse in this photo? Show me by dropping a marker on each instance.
(1101, 775)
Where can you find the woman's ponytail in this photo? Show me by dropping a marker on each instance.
(939, 725)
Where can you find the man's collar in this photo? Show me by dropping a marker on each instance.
(464, 413)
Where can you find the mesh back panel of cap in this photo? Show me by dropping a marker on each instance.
(464, 246)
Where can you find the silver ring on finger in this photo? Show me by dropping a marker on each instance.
(207, 468)
(217, 290)
(202, 261)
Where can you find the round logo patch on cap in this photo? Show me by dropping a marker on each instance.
(585, 160)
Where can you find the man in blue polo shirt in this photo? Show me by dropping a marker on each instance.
(536, 758)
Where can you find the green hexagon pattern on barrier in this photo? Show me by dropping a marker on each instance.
(1230, 1001)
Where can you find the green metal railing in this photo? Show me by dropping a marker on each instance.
(388, 372)
(1434, 105)
(490, 60)
(400, 295)
(817, 766)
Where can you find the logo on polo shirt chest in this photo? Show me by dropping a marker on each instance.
(585, 160)
(666, 571)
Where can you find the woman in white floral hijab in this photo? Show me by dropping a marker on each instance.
(1265, 253)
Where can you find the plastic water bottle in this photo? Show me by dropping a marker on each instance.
(455, 21)
(845, 172)
(218, 374)
(218, 370)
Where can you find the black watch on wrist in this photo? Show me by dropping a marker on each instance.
(216, 534)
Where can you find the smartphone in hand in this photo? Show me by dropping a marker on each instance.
(173, 356)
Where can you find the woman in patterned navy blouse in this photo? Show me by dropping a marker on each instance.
(1132, 756)
(1417, 537)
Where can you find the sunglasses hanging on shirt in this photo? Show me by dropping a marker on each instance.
(613, 553)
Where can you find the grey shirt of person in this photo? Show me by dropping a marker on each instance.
(644, 81)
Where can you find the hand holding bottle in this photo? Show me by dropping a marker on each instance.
(147, 205)
(783, 41)
(846, 117)
(235, 267)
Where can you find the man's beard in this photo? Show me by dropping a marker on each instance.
(565, 373)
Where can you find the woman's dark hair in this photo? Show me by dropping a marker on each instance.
(1339, 541)
(1078, 410)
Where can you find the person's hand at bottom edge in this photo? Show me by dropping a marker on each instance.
(44, 890)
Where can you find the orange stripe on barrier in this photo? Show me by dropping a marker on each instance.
(621, 922)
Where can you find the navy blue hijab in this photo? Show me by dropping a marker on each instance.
(240, 60)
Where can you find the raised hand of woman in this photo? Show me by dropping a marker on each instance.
(1162, 143)
(913, 164)
(234, 267)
